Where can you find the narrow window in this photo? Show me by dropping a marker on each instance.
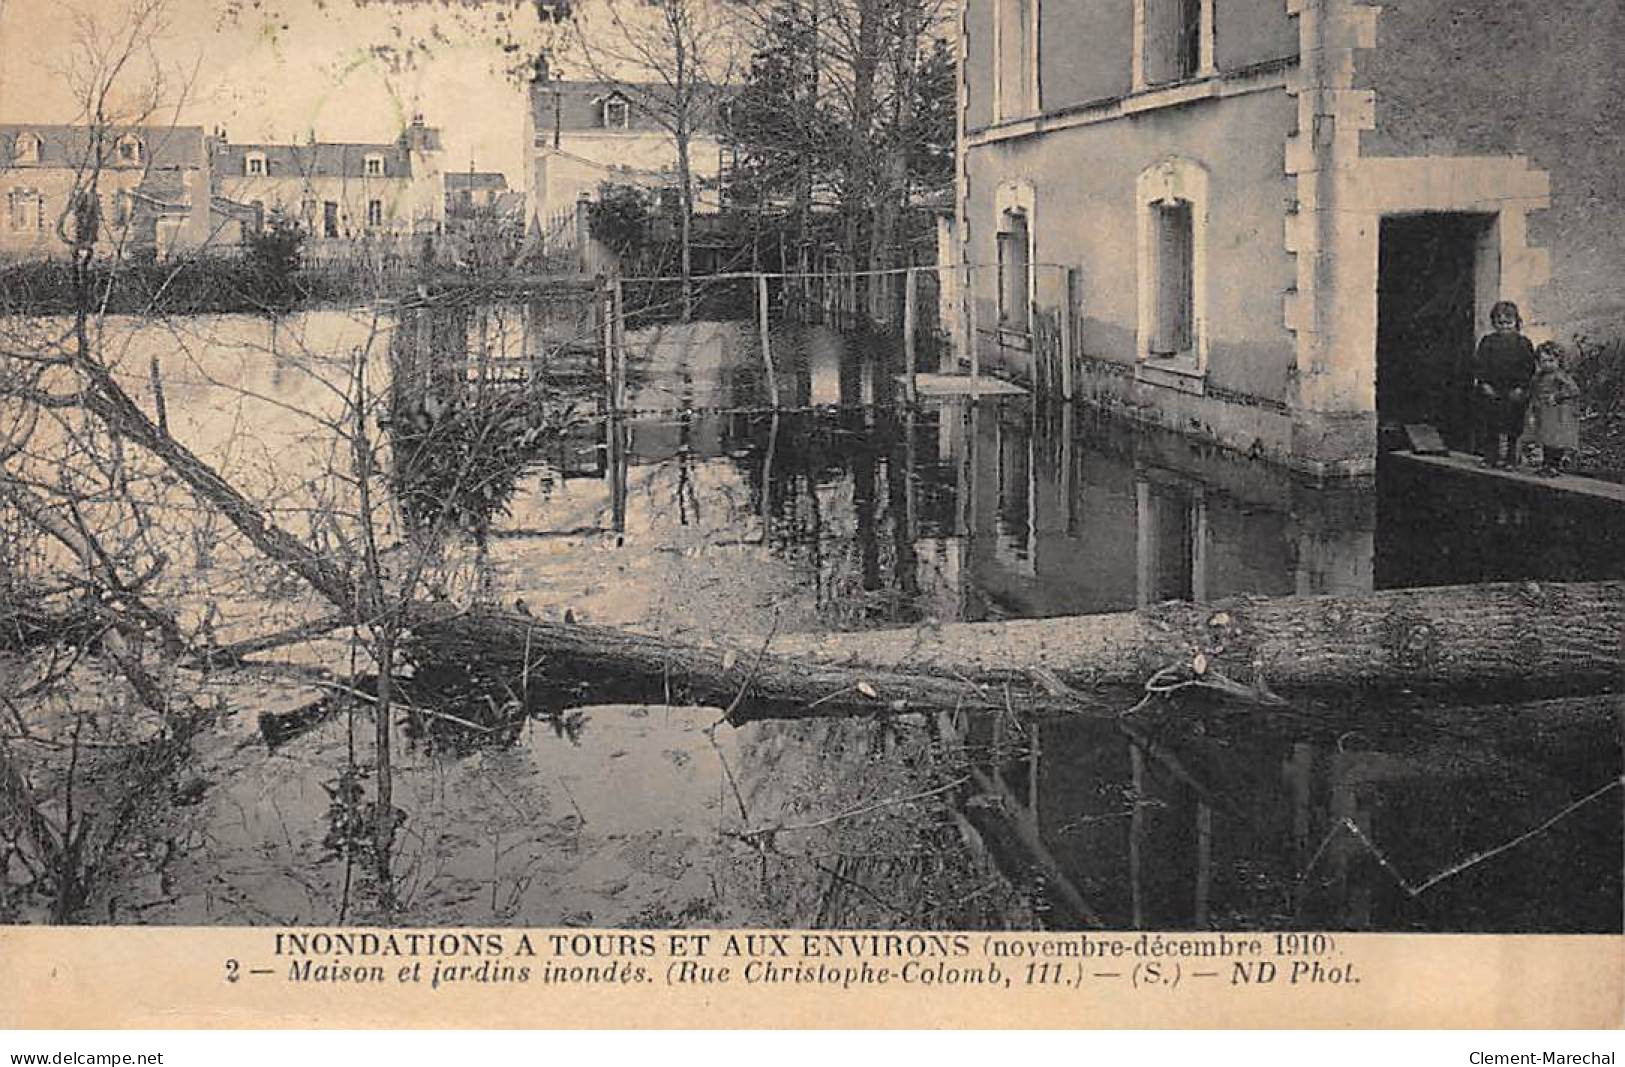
(375, 212)
(1013, 272)
(1015, 58)
(1174, 246)
(1173, 40)
(254, 165)
(330, 219)
(1188, 47)
(25, 210)
(616, 114)
(375, 166)
(129, 150)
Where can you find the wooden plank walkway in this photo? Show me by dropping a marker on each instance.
(962, 385)
(1466, 463)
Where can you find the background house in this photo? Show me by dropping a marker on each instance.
(469, 192)
(581, 134)
(152, 187)
(340, 192)
(1272, 223)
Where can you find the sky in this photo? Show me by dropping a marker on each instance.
(279, 69)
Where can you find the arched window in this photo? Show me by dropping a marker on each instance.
(1171, 205)
(1013, 249)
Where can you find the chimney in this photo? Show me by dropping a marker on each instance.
(420, 137)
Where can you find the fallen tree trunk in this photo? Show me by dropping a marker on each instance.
(1520, 636)
(483, 653)
(1466, 636)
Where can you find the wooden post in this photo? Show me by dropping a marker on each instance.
(618, 336)
(767, 479)
(972, 341)
(909, 312)
(616, 455)
(606, 338)
(583, 234)
(767, 347)
(1069, 279)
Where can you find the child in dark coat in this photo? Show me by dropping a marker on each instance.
(1552, 417)
(1503, 367)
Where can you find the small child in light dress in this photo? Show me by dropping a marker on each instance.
(1553, 420)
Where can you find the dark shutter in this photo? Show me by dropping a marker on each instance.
(1175, 248)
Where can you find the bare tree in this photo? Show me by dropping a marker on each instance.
(674, 61)
(110, 515)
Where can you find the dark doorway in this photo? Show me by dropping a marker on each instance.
(1425, 329)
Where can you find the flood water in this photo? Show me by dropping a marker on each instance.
(706, 514)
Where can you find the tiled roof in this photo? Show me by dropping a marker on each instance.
(578, 105)
(456, 181)
(320, 160)
(163, 147)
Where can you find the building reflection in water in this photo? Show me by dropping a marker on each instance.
(1001, 508)
(1230, 830)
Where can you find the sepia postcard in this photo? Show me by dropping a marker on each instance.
(811, 513)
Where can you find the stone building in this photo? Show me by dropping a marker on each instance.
(152, 188)
(581, 134)
(341, 192)
(1277, 223)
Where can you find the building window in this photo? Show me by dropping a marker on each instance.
(1015, 34)
(1172, 264)
(617, 114)
(1172, 329)
(1173, 41)
(128, 150)
(307, 212)
(375, 166)
(25, 210)
(375, 212)
(259, 215)
(25, 149)
(1015, 270)
(330, 219)
(254, 164)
